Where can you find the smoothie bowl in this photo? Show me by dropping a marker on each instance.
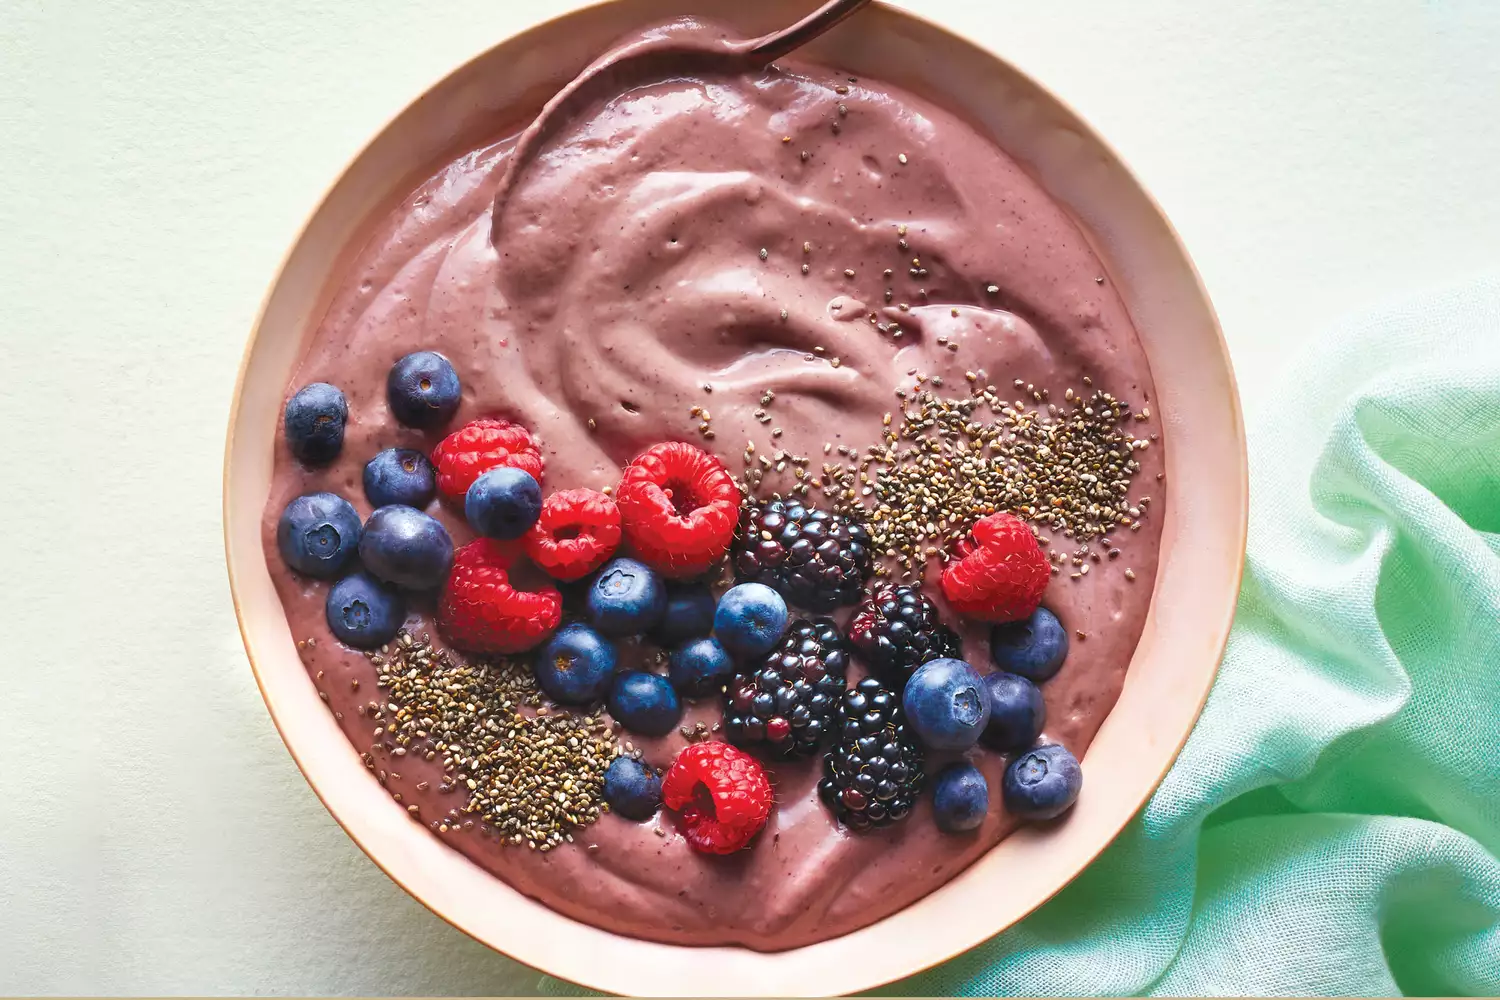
(777, 551)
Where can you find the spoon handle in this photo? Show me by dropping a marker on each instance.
(769, 48)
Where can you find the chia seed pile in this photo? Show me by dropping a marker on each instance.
(533, 774)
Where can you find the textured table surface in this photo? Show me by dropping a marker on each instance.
(154, 835)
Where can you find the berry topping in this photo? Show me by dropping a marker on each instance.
(632, 789)
(363, 612)
(314, 422)
(1043, 783)
(750, 619)
(576, 532)
(1017, 713)
(896, 629)
(786, 701)
(318, 534)
(1034, 647)
(575, 666)
(423, 390)
(998, 572)
(689, 614)
(400, 475)
(476, 448)
(873, 774)
(700, 668)
(626, 598)
(722, 794)
(678, 506)
(960, 798)
(644, 703)
(480, 612)
(503, 503)
(947, 704)
(404, 546)
(818, 560)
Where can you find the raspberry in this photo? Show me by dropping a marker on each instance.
(679, 506)
(476, 448)
(722, 793)
(480, 612)
(577, 531)
(997, 573)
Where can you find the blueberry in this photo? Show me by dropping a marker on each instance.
(400, 475)
(1033, 648)
(626, 598)
(503, 503)
(423, 389)
(632, 789)
(1017, 713)
(1042, 783)
(644, 703)
(318, 534)
(576, 665)
(960, 798)
(700, 668)
(689, 614)
(404, 546)
(947, 704)
(315, 419)
(363, 612)
(750, 619)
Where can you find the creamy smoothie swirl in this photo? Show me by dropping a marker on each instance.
(694, 244)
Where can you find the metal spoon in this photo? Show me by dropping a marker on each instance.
(636, 62)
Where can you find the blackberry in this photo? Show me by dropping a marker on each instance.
(817, 559)
(896, 629)
(787, 701)
(873, 774)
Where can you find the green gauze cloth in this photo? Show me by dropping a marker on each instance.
(1333, 823)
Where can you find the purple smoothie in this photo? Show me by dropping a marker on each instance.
(698, 243)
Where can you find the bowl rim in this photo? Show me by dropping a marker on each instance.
(1221, 628)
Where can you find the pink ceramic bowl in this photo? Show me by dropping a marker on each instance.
(1202, 548)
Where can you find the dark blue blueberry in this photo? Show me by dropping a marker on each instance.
(626, 598)
(363, 612)
(1042, 783)
(576, 665)
(632, 789)
(400, 475)
(750, 620)
(423, 390)
(689, 614)
(960, 798)
(318, 534)
(644, 703)
(314, 421)
(404, 546)
(700, 668)
(947, 704)
(1017, 713)
(503, 503)
(1033, 647)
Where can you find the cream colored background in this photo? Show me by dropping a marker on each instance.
(156, 158)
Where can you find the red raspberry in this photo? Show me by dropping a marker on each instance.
(577, 531)
(476, 448)
(722, 793)
(679, 506)
(480, 612)
(998, 573)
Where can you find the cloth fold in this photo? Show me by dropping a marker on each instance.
(1333, 823)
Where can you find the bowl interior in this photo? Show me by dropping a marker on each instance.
(1202, 546)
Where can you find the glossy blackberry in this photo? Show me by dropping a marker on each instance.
(873, 774)
(786, 701)
(817, 559)
(896, 629)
